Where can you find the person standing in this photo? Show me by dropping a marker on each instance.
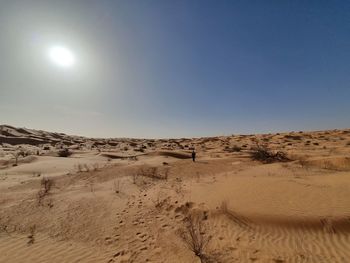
(193, 155)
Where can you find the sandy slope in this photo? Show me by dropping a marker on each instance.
(123, 211)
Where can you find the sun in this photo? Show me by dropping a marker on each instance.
(61, 56)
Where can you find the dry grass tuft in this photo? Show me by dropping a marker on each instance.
(46, 185)
(154, 173)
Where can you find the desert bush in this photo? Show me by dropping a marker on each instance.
(195, 237)
(235, 148)
(46, 185)
(265, 155)
(64, 153)
(293, 137)
(16, 155)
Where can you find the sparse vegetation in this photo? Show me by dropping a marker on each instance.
(154, 173)
(195, 237)
(265, 155)
(235, 148)
(16, 155)
(46, 185)
(293, 137)
(64, 153)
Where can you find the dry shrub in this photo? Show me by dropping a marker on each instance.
(265, 155)
(16, 155)
(235, 148)
(293, 137)
(64, 153)
(154, 173)
(46, 185)
(195, 237)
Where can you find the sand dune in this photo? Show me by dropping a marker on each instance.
(127, 200)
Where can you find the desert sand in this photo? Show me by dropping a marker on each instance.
(139, 200)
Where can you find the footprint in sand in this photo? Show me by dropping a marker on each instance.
(121, 256)
(108, 240)
(143, 237)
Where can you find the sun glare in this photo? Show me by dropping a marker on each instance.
(61, 56)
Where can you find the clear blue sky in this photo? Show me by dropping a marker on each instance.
(176, 68)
